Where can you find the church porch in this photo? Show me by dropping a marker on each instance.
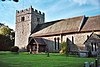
(36, 45)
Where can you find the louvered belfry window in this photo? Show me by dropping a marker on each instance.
(22, 18)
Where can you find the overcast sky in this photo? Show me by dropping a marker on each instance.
(54, 9)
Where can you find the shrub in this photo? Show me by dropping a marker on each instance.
(64, 49)
(5, 43)
(14, 49)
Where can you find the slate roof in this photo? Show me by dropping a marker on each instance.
(37, 40)
(93, 37)
(59, 27)
(40, 41)
(44, 25)
(70, 25)
(93, 23)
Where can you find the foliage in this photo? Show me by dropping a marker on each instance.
(6, 37)
(1, 24)
(10, 0)
(41, 60)
(5, 43)
(64, 48)
(14, 49)
(89, 49)
(4, 30)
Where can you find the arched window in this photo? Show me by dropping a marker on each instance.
(72, 39)
(92, 46)
(55, 42)
(95, 46)
(58, 42)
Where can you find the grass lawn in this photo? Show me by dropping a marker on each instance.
(8, 59)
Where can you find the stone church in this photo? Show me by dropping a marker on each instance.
(33, 33)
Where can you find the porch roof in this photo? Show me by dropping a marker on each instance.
(93, 38)
(37, 40)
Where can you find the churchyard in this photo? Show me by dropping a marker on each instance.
(24, 59)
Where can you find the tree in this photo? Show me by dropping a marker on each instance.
(4, 30)
(10, 0)
(6, 37)
(1, 24)
(5, 43)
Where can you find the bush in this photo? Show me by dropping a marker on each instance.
(14, 49)
(64, 49)
(5, 43)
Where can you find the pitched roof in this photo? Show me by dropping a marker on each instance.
(40, 41)
(93, 23)
(70, 25)
(44, 25)
(37, 40)
(61, 26)
(93, 37)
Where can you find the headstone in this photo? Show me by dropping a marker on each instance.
(96, 63)
(83, 53)
(92, 64)
(86, 64)
(94, 53)
(48, 54)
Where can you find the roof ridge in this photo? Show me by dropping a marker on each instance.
(94, 16)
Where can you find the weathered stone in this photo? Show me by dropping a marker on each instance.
(26, 21)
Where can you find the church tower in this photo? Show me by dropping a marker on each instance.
(26, 21)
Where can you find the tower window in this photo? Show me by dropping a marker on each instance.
(22, 18)
(38, 19)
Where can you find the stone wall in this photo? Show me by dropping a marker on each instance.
(51, 43)
(78, 40)
(26, 21)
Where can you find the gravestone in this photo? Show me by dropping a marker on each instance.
(92, 64)
(86, 64)
(83, 53)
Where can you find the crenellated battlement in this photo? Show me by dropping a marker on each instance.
(26, 21)
(29, 10)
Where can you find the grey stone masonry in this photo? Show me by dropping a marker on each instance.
(26, 21)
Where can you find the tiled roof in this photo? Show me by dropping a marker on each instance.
(39, 41)
(93, 23)
(70, 25)
(44, 25)
(36, 40)
(93, 37)
(61, 26)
